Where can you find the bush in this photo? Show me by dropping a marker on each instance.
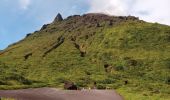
(18, 78)
(107, 81)
(101, 86)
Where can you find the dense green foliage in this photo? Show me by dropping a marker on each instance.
(115, 52)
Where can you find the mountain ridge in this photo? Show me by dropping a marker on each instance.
(116, 52)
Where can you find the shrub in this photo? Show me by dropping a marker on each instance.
(107, 81)
(101, 86)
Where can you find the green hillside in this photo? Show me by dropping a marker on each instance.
(122, 53)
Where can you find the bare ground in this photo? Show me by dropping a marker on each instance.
(56, 94)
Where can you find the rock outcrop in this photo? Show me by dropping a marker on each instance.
(81, 48)
(58, 18)
(44, 26)
(60, 40)
(27, 56)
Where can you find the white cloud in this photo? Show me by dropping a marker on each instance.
(149, 10)
(24, 4)
(157, 10)
(115, 7)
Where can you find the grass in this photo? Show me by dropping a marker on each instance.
(128, 94)
(134, 50)
(7, 99)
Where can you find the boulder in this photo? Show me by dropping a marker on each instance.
(70, 86)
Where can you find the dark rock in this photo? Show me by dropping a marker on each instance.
(73, 38)
(145, 94)
(110, 22)
(156, 91)
(97, 25)
(106, 65)
(70, 86)
(107, 68)
(121, 39)
(77, 46)
(44, 26)
(59, 41)
(88, 73)
(126, 82)
(81, 48)
(121, 17)
(132, 62)
(58, 18)
(87, 36)
(168, 81)
(132, 18)
(27, 56)
(36, 31)
(2, 83)
(29, 34)
(73, 16)
(128, 18)
(126, 58)
(83, 53)
(94, 85)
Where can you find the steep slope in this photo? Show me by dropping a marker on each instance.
(115, 52)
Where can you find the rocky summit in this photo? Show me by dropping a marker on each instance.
(92, 50)
(58, 18)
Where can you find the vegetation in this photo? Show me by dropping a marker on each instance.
(7, 99)
(122, 53)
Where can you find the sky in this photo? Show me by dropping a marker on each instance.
(20, 17)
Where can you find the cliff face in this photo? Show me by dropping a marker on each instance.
(109, 50)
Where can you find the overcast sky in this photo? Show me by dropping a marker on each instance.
(19, 17)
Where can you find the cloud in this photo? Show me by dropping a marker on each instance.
(149, 10)
(157, 10)
(24, 4)
(114, 7)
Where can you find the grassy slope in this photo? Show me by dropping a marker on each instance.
(134, 50)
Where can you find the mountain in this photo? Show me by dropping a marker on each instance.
(117, 52)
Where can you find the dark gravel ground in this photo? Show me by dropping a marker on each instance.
(56, 94)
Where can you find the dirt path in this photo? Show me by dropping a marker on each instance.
(55, 94)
